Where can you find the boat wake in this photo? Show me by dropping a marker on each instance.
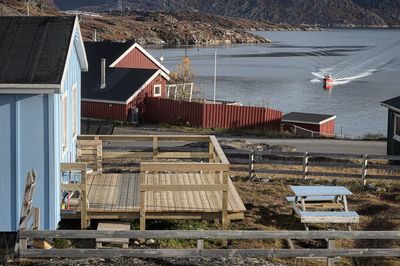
(356, 67)
(319, 76)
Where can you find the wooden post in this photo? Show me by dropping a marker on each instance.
(225, 221)
(211, 151)
(364, 169)
(200, 242)
(142, 201)
(36, 219)
(330, 261)
(84, 217)
(99, 159)
(305, 165)
(155, 148)
(251, 165)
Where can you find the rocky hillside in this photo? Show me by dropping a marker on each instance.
(191, 27)
(323, 12)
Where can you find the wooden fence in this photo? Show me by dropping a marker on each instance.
(330, 252)
(314, 164)
(206, 115)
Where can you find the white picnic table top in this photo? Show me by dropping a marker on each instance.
(304, 191)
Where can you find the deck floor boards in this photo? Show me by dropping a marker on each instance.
(116, 193)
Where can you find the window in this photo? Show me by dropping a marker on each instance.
(64, 120)
(74, 110)
(157, 90)
(397, 127)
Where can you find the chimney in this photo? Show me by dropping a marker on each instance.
(103, 73)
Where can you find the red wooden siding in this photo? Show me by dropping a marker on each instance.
(203, 115)
(109, 111)
(328, 128)
(136, 59)
(120, 112)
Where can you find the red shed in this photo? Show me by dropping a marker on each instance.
(120, 77)
(310, 124)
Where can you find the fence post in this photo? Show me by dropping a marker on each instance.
(330, 261)
(142, 213)
(200, 242)
(155, 148)
(364, 169)
(305, 165)
(251, 165)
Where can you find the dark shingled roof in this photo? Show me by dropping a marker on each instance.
(307, 118)
(33, 50)
(121, 83)
(393, 103)
(111, 51)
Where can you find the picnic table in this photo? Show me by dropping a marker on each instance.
(322, 204)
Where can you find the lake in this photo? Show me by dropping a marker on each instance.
(286, 75)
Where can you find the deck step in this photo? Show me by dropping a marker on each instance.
(114, 241)
(328, 217)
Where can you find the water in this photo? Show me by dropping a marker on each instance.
(286, 75)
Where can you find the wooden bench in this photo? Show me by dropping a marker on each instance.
(114, 241)
(349, 217)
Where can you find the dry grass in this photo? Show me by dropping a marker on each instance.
(267, 209)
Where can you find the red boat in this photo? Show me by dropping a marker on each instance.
(328, 82)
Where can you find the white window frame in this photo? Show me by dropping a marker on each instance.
(395, 136)
(74, 111)
(64, 120)
(154, 90)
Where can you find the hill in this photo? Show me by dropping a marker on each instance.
(377, 13)
(147, 27)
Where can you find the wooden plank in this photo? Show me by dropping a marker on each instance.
(218, 150)
(113, 227)
(147, 137)
(126, 155)
(182, 167)
(213, 253)
(212, 234)
(190, 195)
(64, 167)
(184, 195)
(282, 172)
(163, 187)
(201, 179)
(330, 174)
(183, 155)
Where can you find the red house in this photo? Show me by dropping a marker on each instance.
(120, 77)
(309, 124)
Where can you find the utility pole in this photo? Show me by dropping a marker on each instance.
(27, 8)
(215, 74)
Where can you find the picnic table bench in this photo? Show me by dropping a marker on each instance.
(328, 205)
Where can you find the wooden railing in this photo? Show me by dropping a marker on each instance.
(149, 156)
(77, 185)
(330, 253)
(312, 164)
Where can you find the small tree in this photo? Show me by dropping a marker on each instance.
(183, 75)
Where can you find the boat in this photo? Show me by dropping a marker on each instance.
(328, 82)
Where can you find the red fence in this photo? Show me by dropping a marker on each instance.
(159, 110)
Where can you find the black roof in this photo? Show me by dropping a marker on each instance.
(307, 118)
(121, 83)
(111, 51)
(393, 103)
(33, 50)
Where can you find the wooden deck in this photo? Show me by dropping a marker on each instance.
(117, 196)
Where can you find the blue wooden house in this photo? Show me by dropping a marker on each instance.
(41, 60)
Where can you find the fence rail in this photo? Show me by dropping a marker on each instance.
(329, 252)
(309, 161)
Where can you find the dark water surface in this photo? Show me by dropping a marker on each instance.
(285, 75)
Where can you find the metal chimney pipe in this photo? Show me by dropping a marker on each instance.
(103, 74)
